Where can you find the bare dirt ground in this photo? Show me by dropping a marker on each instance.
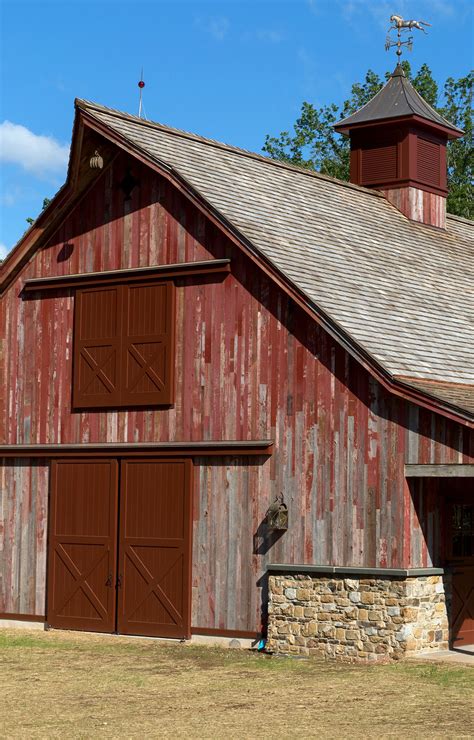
(70, 685)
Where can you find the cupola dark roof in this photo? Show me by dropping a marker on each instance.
(398, 98)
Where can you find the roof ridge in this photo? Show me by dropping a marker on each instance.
(359, 110)
(406, 84)
(403, 84)
(86, 104)
(462, 219)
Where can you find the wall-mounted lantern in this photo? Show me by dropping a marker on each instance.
(96, 162)
(277, 515)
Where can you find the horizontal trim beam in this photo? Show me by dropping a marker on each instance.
(137, 274)
(354, 571)
(245, 448)
(23, 617)
(439, 471)
(217, 632)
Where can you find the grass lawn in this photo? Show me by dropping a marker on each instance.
(70, 685)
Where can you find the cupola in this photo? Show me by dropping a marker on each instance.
(398, 146)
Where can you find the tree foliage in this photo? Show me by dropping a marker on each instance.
(314, 143)
(46, 202)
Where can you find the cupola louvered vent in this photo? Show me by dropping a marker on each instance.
(379, 164)
(428, 161)
(398, 146)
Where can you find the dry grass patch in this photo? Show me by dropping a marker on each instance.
(70, 685)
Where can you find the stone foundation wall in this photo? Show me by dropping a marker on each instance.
(374, 617)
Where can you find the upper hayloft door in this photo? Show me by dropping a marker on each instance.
(155, 548)
(82, 545)
(124, 346)
(97, 337)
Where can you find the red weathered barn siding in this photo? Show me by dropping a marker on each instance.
(426, 520)
(419, 205)
(249, 365)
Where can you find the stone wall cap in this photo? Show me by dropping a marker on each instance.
(354, 571)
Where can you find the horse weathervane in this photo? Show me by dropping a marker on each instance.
(400, 26)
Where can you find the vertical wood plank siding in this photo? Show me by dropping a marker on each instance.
(249, 365)
(419, 205)
(23, 535)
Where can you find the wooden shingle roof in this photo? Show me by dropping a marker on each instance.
(403, 291)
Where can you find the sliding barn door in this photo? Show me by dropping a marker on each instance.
(154, 574)
(82, 545)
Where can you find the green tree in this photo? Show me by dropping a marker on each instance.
(458, 109)
(314, 143)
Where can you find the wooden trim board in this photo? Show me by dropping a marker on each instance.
(112, 277)
(439, 471)
(217, 632)
(23, 617)
(228, 448)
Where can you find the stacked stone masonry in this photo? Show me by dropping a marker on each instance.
(365, 619)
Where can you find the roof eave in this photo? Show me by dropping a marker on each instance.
(27, 243)
(448, 409)
(345, 127)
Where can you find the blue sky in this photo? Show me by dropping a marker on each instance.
(227, 69)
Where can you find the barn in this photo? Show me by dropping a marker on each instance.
(237, 396)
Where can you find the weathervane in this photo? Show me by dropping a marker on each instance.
(400, 26)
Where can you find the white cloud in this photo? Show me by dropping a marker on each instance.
(35, 153)
(12, 195)
(270, 35)
(314, 6)
(265, 35)
(309, 78)
(3, 251)
(442, 7)
(217, 26)
(356, 12)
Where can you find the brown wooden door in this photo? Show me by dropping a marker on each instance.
(82, 545)
(124, 346)
(97, 340)
(155, 548)
(148, 344)
(461, 560)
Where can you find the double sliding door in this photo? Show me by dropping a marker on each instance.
(119, 557)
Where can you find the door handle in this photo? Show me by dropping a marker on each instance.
(119, 581)
(109, 580)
